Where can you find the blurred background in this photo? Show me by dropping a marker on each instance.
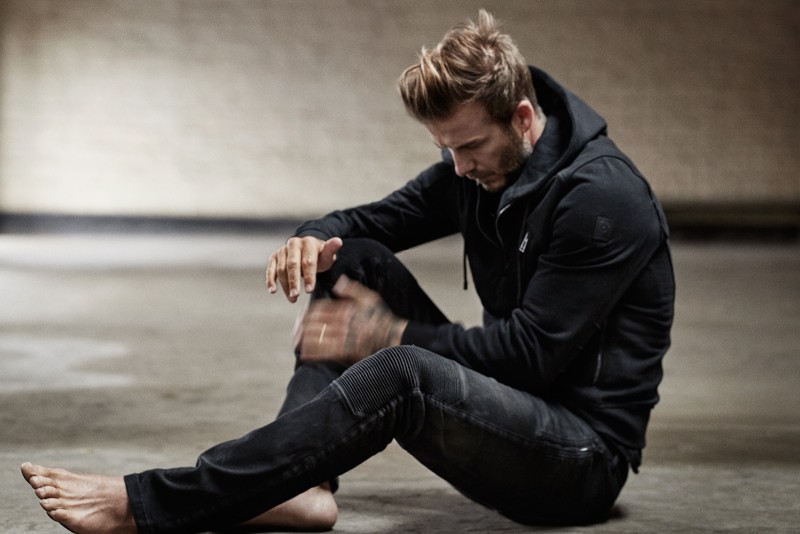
(262, 111)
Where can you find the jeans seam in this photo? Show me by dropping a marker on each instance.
(554, 444)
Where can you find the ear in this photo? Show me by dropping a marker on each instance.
(523, 117)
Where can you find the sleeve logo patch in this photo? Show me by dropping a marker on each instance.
(603, 228)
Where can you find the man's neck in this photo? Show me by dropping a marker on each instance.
(537, 128)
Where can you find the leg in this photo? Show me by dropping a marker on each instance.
(376, 267)
(71, 500)
(315, 509)
(506, 449)
(108, 508)
(530, 460)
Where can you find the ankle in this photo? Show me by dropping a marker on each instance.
(313, 510)
(321, 511)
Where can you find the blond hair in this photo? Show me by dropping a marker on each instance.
(473, 62)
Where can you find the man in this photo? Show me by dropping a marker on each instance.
(538, 414)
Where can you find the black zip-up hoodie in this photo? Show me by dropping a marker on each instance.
(571, 263)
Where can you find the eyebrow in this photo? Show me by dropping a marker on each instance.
(469, 144)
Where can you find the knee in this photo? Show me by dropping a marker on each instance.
(376, 380)
(397, 372)
(363, 248)
(361, 259)
(358, 252)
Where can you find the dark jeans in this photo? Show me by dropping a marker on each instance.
(531, 460)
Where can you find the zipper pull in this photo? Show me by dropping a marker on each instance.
(524, 244)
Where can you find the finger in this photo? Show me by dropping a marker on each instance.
(319, 312)
(314, 340)
(312, 248)
(280, 270)
(306, 326)
(327, 255)
(323, 344)
(270, 281)
(294, 251)
(324, 328)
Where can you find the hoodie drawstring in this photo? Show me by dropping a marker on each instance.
(464, 265)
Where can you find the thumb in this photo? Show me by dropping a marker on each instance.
(327, 254)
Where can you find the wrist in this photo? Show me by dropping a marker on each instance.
(395, 334)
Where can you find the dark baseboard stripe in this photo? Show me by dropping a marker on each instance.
(32, 223)
(771, 222)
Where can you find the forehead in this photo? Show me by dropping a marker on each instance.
(469, 122)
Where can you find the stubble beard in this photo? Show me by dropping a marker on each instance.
(511, 160)
(517, 153)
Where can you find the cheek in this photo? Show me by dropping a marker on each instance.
(491, 159)
(513, 156)
(501, 159)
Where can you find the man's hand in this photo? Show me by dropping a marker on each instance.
(297, 263)
(354, 325)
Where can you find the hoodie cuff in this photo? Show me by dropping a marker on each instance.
(419, 334)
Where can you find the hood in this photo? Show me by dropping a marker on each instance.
(573, 123)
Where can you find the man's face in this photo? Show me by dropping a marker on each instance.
(483, 150)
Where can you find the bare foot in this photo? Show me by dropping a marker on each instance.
(85, 504)
(313, 510)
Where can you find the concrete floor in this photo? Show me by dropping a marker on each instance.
(124, 352)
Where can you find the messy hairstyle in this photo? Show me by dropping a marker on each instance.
(473, 62)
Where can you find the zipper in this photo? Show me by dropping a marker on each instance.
(500, 212)
(599, 364)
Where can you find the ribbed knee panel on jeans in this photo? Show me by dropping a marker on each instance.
(397, 371)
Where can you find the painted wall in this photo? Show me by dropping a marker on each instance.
(226, 108)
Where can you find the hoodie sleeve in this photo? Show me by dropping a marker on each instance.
(603, 230)
(417, 213)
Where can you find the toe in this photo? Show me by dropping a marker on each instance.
(46, 492)
(28, 470)
(37, 481)
(59, 514)
(50, 504)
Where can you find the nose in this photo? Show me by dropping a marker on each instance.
(464, 164)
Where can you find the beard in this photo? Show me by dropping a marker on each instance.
(510, 162)
(516, 154)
